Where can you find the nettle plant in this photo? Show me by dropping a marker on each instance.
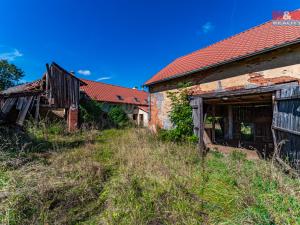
(180, 115)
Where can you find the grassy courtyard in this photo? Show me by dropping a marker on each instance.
(129, 176)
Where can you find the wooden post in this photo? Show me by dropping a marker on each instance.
(37, 109)
(274, 104)
(201, 127)
(230, 123)
(213, 130)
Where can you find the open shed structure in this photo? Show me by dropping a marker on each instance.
(57, 89)
(248, 84)
(272, 114)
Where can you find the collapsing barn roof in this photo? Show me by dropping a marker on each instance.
(56, 89)
(23, 88)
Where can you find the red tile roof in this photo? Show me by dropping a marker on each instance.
(144, 108)
(115, 94)
(253, 41)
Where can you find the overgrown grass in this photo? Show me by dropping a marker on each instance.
(131, 177)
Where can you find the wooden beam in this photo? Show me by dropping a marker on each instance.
(230, 123)
(21, 94)
(248, 91)
(274, 104)
(201, 127)
(288, 98)
(37, 109)
(286, 130)
(213, 131)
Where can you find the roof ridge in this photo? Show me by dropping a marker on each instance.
(232, 36)
(193, 61)
(222, 40)
(113, 85)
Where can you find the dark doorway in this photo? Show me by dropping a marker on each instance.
(141, 120)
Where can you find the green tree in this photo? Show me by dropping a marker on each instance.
(118, 116)
(9, 74)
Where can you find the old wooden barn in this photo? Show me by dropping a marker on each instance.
(58, 90)
(249, 84)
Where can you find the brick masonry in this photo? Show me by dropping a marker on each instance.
(73, 119)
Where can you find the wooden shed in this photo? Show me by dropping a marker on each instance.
(272, 113)
(57, 89)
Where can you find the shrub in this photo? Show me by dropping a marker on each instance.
(118, 116)
(91, 113)
(180, 116)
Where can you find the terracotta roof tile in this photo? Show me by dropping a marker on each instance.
(144, 108)
(109, 93)
(257, 39)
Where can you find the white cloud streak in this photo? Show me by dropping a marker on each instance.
(85, 72)
(11, 55)
(103, 78)
(207, 27)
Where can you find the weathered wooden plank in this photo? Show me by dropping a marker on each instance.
(230, 122)
(37, 109)
(201, 127)
(213, 131)
(24, 111)
(8, 104)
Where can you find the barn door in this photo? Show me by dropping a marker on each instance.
(286, 124)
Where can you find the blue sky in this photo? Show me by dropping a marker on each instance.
(122, 42)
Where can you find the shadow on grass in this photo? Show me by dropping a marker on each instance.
(19, 147)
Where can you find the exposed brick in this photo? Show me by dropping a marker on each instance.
(73, 119)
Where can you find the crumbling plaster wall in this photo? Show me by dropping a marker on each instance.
(278, 66)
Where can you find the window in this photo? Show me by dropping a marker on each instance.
(120, 97)
(134, 116)
(136, 99)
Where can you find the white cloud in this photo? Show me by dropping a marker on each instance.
(10, 55)
(85, 72)
(103, 78)
(207, 27)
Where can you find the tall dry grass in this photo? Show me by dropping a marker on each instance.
(164, 183)
(129, 176)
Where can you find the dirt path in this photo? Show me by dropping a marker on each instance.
(251, 155)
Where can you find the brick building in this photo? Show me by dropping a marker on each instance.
(247, 80)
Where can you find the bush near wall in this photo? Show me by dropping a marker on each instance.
(118, 116)
(180, 116)
(92, 114)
